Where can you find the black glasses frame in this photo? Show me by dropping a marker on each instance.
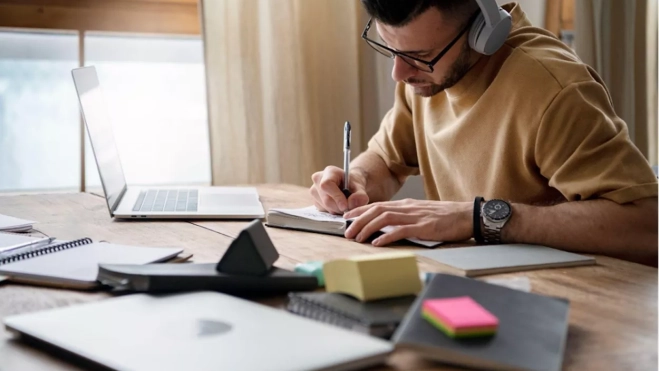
(430, 64)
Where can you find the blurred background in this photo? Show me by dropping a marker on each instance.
(246, 91)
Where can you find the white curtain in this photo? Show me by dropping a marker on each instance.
(283, 77)
(618, 38)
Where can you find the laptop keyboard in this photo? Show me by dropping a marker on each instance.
(167, 200)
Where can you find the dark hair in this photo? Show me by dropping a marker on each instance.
(400, 12)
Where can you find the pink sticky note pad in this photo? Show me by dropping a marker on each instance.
(461, 312)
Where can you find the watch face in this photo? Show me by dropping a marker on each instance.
(496, 210)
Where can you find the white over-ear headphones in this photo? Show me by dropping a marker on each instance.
(490, 29)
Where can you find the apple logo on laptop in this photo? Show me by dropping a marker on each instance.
(209, 327)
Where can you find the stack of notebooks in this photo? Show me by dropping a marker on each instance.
(311, 220)
(376, 318)
(531, 334)
(70, 264)
(531, 329)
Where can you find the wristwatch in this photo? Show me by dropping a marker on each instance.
(495, 214)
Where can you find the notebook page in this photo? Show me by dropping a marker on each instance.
(311, 213)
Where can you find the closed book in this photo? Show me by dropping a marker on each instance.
(376, 318)
(531, 334)
(494, 259)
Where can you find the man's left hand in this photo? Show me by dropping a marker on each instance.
(425, 220)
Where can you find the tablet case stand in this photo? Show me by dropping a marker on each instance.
(245, 268)
(251, 253)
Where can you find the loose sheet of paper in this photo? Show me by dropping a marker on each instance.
(12, 224)
(312, 213)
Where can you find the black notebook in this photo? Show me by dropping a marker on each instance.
(376, 318)
(531, 335)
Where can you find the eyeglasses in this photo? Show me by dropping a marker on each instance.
(420, 64)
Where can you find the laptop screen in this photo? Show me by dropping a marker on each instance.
(101, 136)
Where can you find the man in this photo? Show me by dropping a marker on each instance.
(530, 125)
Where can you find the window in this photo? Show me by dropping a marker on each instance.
(156, 95)
(155, 91)
(39, 118)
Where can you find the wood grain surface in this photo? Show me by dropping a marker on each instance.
(613, 305)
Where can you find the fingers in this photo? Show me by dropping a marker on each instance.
(330, 188)
(358, 211)
(400, 205)
(396, 234)
(326, 190)
(374, 220)
(359, 221)
(316, 198)
(357, 198)
(381, 221)
(315, 177)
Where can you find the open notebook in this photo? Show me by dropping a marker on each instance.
(71, 264)
(311, 220)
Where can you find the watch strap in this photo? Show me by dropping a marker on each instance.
(492, 236)
(478, 236)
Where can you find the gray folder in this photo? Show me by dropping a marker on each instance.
(493, 259)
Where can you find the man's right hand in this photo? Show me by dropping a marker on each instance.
(327, 194)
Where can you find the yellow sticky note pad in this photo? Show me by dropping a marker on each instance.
(372, 277)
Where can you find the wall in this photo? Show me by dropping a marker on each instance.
(534, 9)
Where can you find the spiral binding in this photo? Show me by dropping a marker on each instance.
(45, 250)
(317, 311)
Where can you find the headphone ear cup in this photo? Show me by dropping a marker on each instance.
(487, 40)
(476, 29)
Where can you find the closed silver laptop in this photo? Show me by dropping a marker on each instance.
(198, 331)
(151, 202)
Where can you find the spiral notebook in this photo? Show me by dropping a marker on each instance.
(376, 318)
(70, 264)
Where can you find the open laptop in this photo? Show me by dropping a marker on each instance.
(197, 331)
(151, 202)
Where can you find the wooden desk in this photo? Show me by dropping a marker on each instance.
(613, 316)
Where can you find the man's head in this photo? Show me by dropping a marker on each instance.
(422, 29)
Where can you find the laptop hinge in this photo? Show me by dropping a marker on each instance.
(113, 208)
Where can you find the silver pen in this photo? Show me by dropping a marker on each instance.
(33, 244)
(346, 158)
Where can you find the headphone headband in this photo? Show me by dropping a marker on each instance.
(490, 11)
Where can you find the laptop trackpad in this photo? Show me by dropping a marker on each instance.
(223, 200)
